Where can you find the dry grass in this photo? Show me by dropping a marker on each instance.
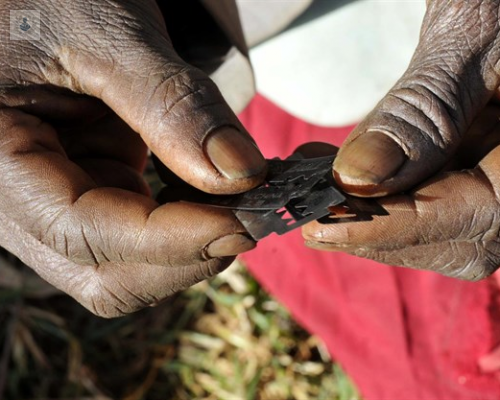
(224, 339)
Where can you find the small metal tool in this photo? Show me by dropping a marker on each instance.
(296, 191)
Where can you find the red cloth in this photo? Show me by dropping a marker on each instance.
(400, 334)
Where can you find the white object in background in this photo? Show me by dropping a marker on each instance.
(235, 80)
(332, 70)
(263, 18)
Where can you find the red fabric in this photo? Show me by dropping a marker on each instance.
(400, 334)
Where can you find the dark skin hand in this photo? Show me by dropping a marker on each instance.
(439, 125)
(78, 110)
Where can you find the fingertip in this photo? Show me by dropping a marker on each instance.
(324, 246)
(316, 149)
(323, 236)
(230, 163)
(312, 232)
(367, 162)
(228, 246)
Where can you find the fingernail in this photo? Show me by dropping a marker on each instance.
(370, 159)
(234, 155)
(325, 246)
(231, 245)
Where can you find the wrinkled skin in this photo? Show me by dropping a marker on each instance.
(438, 128)
(78, 110)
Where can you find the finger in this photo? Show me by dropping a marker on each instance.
(180, 114)
(316, 149)
(113, 289)
(54, 200)
(418, 126)
(467, 261)
(449, 225)
(435, 212)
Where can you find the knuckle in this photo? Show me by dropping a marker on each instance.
(184, 102)
(472, 262)
(428, 105)
(194, 274)
(475, 270)
(176, 91)
(187, 87)
(89, 293)
(81, 243)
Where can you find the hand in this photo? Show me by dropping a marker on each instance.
(78, 110)
(446, 100)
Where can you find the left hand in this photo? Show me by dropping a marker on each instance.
(78, 110)
(450, 224)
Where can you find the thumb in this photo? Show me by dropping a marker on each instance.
(131, 65)
(417, 127)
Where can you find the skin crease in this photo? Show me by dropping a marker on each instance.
(75, 133)
(74, 137)
(443, 117)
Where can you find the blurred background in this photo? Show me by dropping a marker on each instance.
(223, 339)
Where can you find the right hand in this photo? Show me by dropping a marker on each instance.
(78, 110)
